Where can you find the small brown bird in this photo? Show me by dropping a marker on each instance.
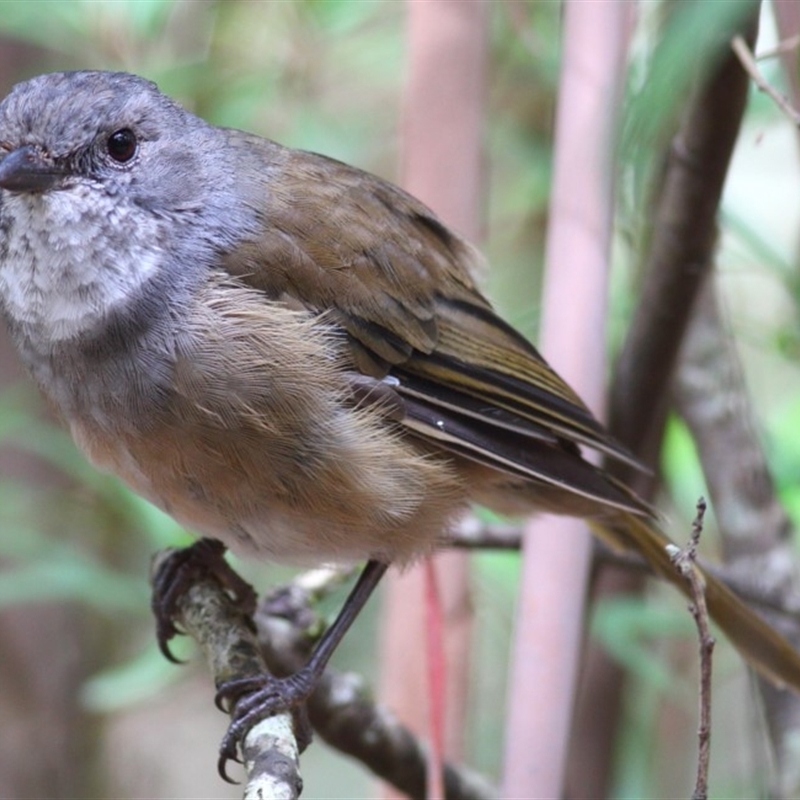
(285, 353)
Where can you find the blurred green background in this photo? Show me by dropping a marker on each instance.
(328, 76)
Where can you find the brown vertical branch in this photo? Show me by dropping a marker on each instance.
(681, 248)
(557, 551)
(679, 257)
(757, 534)
(441, 165)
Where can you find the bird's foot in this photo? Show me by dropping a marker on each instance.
(253, 699)
(179, 570)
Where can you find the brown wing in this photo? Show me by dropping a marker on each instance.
(340, 241)
(344, 241)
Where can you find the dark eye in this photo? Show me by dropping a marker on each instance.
(121, 145)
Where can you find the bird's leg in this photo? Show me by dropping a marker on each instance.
(255, 698)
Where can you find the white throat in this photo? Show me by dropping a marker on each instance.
(69, 259)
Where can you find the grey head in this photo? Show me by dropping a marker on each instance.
(105, 185)
(56, 128)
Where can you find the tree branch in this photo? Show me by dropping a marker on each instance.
(745, 55)
(227, 639)
(340, 710)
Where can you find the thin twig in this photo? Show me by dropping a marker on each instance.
(785, 46)
(474, 533)
(748, 61)
(684, 560)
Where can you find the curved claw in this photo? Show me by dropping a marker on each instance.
(230, 692)
(166, 582)
(178, 570)
(223, 703)
(227, 752)
(162, 638)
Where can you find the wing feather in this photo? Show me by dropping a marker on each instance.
(400, 285)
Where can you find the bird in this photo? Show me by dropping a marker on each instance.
(287, 354)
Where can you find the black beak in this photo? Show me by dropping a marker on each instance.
(26, 170)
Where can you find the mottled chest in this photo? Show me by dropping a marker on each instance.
(68, 257)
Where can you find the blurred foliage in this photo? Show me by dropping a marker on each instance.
(675, 42)
(327, 75)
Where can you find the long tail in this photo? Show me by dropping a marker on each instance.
(759, 643)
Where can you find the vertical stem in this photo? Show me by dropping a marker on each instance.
(557, 551)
